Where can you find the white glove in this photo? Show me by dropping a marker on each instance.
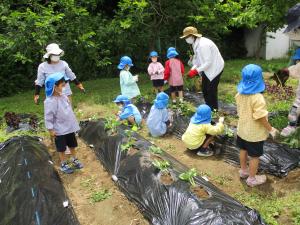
(136, 78)
(221, 119)
(194, 67)
(274, 132)
(165, 81)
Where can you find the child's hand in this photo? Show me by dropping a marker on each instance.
(52, 133)
(274, 132)
(221, 119)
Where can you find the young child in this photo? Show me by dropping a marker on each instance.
(159, 120)
(200, 133)
(156, 72)
(60, 120)
(294, 115)
(128, 111)
(129, 88)
(52, 65)
(174, 70)
(253, 126)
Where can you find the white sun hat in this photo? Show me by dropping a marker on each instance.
(53, 49)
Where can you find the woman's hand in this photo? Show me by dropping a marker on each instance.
(36, 99)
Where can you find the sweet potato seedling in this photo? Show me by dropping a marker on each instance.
(162, 165)
(189, 176)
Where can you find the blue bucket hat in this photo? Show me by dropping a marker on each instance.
(161, 101)
(297, 54)
(172, 54)
(122, 99)
(252, 80)
(171, 49)
(202, 115)
(125, 60)
(51, 81)
(153, 54)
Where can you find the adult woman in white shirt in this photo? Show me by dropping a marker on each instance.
(207, 62)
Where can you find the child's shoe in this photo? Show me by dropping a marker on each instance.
(289, 130)
(244, 173)
(66, 169)
(76, 163)
(257, 180)
(205, 152)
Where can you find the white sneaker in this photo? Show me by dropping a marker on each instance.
(289, 130)
(257, 180)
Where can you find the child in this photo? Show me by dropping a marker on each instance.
(156, 72)
(294, 115)
(158, 119)
(253, 126)
(52, 65)
(128, 84)
(128, 111)
(200, 133)
(174, 70)
(60, 120)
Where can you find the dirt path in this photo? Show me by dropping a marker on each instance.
(224, 175)
(115, 210)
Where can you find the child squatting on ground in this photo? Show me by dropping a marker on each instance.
(253, 126)
(200, 133)
(174, 71)
(159, 118)
(129, 87)
(128, 112)
(60, 120)
(156, 72)
(294, 115)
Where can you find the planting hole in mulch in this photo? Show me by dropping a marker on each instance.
(155, 157)
(200, 192)
(166, 178)
(132, 151)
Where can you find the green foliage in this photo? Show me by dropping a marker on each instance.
(111, 124)
(162, 165)
(228, 131)
(294, 140)
(155, 150)
(184, 108)
(189, 176)
(271, 207)
(128, 145)
(98, 196)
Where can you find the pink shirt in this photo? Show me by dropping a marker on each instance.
(156, 71)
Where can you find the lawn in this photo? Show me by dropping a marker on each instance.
(276, 207)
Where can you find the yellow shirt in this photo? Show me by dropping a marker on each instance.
(195, 134)
(250, 108)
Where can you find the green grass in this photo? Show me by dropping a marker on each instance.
(271, 207)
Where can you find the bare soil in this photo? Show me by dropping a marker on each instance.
(115, 210)
(166, 179)
(200, 192)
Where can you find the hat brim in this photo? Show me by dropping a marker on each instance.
(54, 52)
(292, 26)
(187, 35)
(122, 66)
(251, 89)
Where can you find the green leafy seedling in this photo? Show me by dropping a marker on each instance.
(128, 145)
(189, 176)
(98, 196)
(162, 165)
(155, 150)
(229, 132)
(111, 124)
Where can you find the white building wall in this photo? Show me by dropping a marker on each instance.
(277, 45)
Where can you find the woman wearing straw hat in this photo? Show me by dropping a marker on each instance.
(207, 62)
(54, 64)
